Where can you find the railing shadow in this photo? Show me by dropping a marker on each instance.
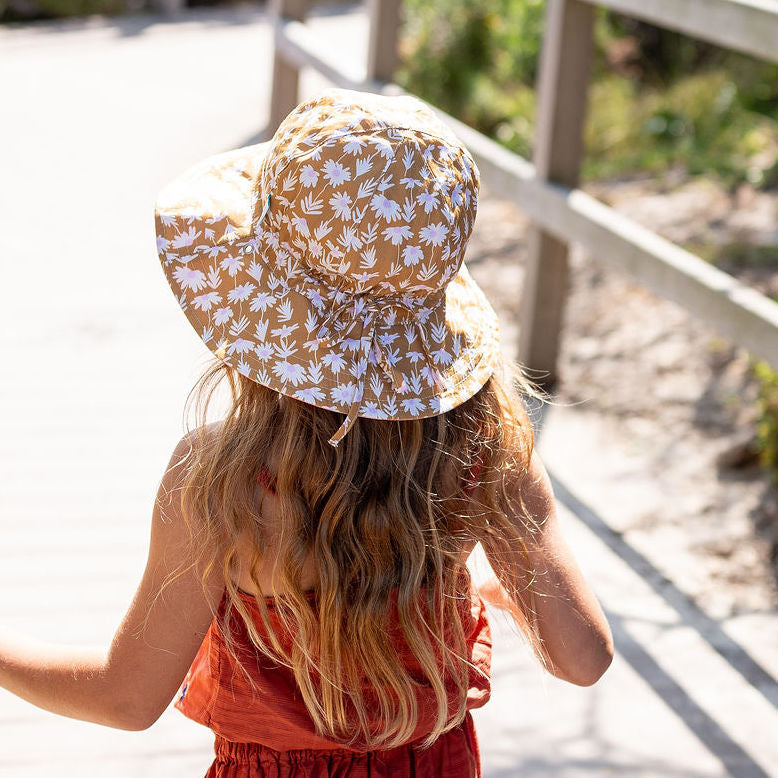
(705, 728)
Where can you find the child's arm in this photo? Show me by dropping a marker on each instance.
(130, 684)
(571, 625)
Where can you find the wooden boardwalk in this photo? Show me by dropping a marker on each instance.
(98, 361)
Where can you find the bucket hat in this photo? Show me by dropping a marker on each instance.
(327, 263)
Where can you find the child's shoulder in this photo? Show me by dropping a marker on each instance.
(196, 440)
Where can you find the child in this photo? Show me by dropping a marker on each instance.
(306, 594)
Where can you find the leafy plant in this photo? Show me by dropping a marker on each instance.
(658, 99)
(475, 60)
(767, 424)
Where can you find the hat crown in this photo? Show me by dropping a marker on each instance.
(372, 193)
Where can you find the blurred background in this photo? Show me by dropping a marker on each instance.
(662, 439)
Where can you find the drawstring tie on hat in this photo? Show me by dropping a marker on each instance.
(367, 311)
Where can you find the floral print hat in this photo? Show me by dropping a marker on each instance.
(327, 263)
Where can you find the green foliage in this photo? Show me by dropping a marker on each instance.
(477, 61)
(767, 425)
(699, 122)
(657, 99)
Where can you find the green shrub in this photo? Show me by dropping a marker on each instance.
(698, 122)
(657, 98)
(767, 424)
(474, 60)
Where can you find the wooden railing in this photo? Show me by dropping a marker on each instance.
(546, 188)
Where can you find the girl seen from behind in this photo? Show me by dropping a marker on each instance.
(306, 594)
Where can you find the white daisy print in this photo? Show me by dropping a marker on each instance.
(352, 344)
(232, 264)
(186, 238)
(301, 225)
(240, 292)
(412, 255)
(204, 302)
(428, 199)
(335, 173)
(310, 394)
(334, 361)
(189, 278)
(341, 205)
(349, 238)
(383, 206)
(344, 393)
(413, 405)
(441, 356)
(354, 146)
(239, 346)
(222, 315)
(263, 351)
(433, 234)
(371, 410)
(261, 301)
(384, 146)
(288, 371)
(284, 331)
(396, 235)
(309, 176)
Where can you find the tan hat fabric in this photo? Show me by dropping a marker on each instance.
(327, 264)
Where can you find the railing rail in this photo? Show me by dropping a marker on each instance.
(546, 190)
(747, 26)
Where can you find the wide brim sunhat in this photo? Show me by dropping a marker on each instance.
(327, 264)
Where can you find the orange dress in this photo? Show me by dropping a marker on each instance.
(267, 732)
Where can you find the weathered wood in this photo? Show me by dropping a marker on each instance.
(734, 310)
(285, 87)
(297, 46)
(749, 26)
(562, 89)
(384, 31)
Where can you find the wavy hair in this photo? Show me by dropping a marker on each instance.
(384, 517)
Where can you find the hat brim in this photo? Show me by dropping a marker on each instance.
(265, 325)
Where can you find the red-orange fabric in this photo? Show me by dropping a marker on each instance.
(453, 755)
(268, 732)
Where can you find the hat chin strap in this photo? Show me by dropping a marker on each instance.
(368, 343)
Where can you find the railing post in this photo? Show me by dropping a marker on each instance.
(384, 31)
(561, 110)
(284, 94)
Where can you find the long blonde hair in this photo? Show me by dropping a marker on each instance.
(384, 516)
